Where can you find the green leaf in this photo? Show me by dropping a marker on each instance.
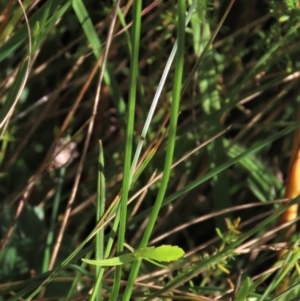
(162, 253)
(127, 258)
(244, 290)
(165, 253)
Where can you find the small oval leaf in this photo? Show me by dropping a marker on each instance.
(162, 253)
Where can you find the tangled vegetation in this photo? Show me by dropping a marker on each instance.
(132, 125)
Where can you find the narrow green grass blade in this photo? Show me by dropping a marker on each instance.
(127, 173)
(74, 286)
(53, 220)
(100, 209)
(87, 26)
(170, 145)
(93, 39)
(159, 91)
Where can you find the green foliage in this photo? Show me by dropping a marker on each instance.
(164, 253)
(194, 103)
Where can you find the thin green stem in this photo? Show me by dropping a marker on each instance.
(54, 213)
(170, 146)
(100, 209)
(136, 29)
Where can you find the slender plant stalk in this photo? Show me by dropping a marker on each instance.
(158, 91)
(54, 213)
(136, 29)
(100, 209)
(170, 146)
